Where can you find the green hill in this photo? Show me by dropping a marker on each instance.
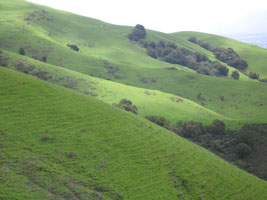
(43, 31)
(60, 144)
(170, 106)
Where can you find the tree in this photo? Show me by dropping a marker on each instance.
(192, 39)
(152, 52)
(217, 127)
(21, 51)
(235, 75)
(254, 75)
(138, 33)
(243, 150)
(161, 44)
(172, 45)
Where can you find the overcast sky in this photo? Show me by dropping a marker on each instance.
(212, 16)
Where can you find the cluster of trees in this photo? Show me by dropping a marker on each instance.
(182, 56)
(245, 147)
(127, 105)
(201, 43)
(169, 52)
(228, 56)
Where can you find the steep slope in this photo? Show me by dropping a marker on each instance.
(59, 144)
(254, 55)
(43, 31)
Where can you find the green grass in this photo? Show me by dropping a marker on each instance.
(172, 107)
(115, 154)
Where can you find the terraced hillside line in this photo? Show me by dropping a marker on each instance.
(56, 143)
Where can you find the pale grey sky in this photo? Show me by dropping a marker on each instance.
(212, 16)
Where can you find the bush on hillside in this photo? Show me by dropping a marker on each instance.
(161, 121)
(73, 47)
(217, 127)
(243, 150)
(21, 51)
(254, 75)
(235, 75)
(127, 105)
(192, 39)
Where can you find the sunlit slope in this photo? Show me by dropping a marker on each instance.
(254, 55)
(42, 31)
(60, 144)
(149, 102)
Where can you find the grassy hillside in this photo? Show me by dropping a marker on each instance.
(254, 55)
(56, 143)
(43, 31)
(170, 106)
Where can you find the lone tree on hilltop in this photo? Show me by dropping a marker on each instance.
(138, 33)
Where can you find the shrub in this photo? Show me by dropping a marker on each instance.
(172, 45)
(44, 58)
(192, 39)
(161, 44)
(21, 51)
(217, 127)
(243, 150)
(235, 75)
(161, 121)
(152, 53)
(190, 129)
(73, 47)
(128, 106)
(254, 75)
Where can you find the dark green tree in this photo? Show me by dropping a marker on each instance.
(243, 150)
(21, 51)
(235, 75)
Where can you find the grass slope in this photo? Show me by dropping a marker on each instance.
(254, 55)
(56, 143)
(170, 106)
(44, 31)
